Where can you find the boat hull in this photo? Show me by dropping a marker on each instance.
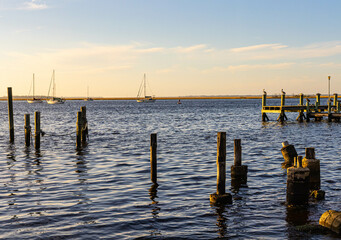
(35, 101)
(145, 100)
(55, 101)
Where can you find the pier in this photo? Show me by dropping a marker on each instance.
(305, 111)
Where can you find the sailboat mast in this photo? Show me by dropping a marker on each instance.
(144, 78)
(54, 85)
(33, 86)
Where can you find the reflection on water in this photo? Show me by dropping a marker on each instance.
(221, 221)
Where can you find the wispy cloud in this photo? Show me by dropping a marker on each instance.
(273, 46)
(191, 48)
(34, 5)
(250, 67)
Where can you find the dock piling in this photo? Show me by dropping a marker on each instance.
(37, 130)
(297, 184)
(84, 128)
(10, 114)
(221, 197)
(27, 130)
(79, 126)
(238, 171)
(153, 157)
(313, 165)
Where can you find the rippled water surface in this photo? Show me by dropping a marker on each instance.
(104, 190)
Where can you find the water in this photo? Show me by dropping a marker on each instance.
(104, 191)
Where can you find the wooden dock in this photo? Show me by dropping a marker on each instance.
(305, 111)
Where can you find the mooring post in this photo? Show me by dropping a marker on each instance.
(238, 171)
(37, 130)
(301, 99)
(308, 111)
(318, 101)
(153, 157)
(264, 116)
(84, 130)
(329, 111)
(283, 99)
(289, 154)
(313, 164)
(338, 106)
(79, 126)
(298, 184)
(27, 130)
(221, 197)
(335, 99)
(10, 114)
(332, 220)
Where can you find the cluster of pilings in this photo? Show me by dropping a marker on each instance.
(81, 126)
(303, 175)
(305, 111)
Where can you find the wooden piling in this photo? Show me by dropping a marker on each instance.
(264, 116)
(238, 171)
(27, 130)
(153, 157)
(313, 165)
(308, 111)
(10, 114)
(332, 220)
(318, 101)
(283, 99)
(84, 130)
(221, 197)
(329, 111)
(79, 126)
(37, 130)
(221, 163)
(335, 99)
(289, 153)
(297, 184)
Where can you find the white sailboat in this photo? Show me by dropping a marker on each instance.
(142, 90)
(88, 98)
(53, 99)
(33, 99)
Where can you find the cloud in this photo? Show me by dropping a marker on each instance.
(273, 46)
(34, 5)
(191, 48)
(250, 67)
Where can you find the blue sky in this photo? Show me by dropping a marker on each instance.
(188, 47)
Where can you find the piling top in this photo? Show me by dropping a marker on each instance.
(285, 143)
(310, 153)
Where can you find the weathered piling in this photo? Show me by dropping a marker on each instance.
(335, 99)
(37, 130)
(301, 112)
(84, 133)
(332, 220)
(297, 184)
(282, 115)
(329, 111)
(238, 171)
(27, 130)
(221, 197)
(10, 114)
(307, 111)
(289, 153)
(313, 165)
(153, 157)
(264, 116)
(79, 126)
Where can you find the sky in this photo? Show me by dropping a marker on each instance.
(185, 47)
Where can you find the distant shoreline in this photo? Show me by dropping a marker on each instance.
(20, 98)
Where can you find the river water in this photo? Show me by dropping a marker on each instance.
(104, 191)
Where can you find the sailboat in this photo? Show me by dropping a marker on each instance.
(143, 89)
(88, 98)
(53, 99)
(33, 99)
